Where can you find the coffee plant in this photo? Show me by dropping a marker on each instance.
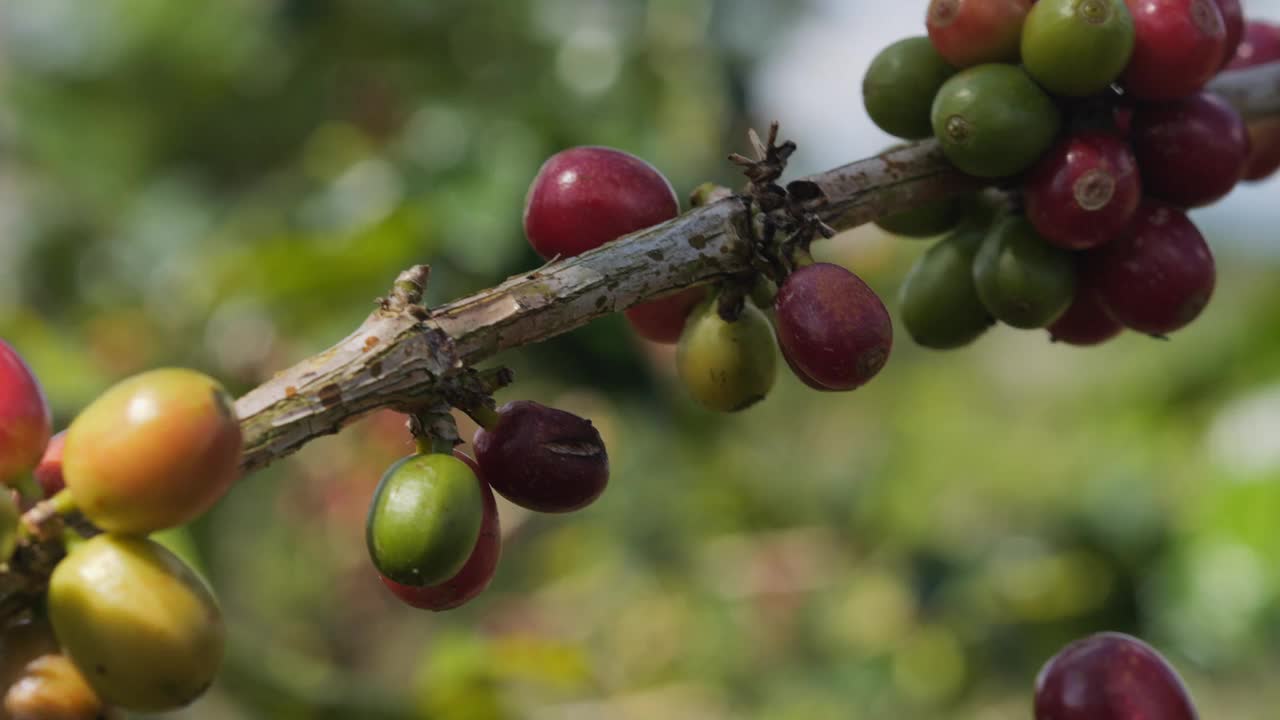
(1055, 145)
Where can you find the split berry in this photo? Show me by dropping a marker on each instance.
(543, 459)
(832, 327)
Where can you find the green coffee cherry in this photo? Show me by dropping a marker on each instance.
(899, 86)
(727, 366)
(994, 121)
(940, 304)
(1023, 280)
(142, 627)
(424, 520)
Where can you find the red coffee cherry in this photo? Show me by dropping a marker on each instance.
(1110, 676)
(543, 459)
(1233, 23)
(25, 423)
(1192, 151)
(474, 576)
(1178, 47)
(972, 32)
(1084, 191)
(49, 472)
(1086, 322)
(585, 197)
(832, 328)
(662, 320)
(1261, 44)
(1159, 275)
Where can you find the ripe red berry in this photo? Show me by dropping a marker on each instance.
(474, 576)
(49, 472)
(25, 423)
(585, 197)
(1084, 191)
(1159, 274)
(832, 328)
(1178, 47)
(662, 320)
(1261, 44)
(1086, 322)
(1192, 151)
(542, 458)
(1110, 676)
(972, 32)
(1233, 23)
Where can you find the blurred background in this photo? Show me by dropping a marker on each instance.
(229, 185)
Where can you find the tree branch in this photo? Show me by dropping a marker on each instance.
(405, 356)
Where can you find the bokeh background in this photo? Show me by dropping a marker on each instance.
(229, 185)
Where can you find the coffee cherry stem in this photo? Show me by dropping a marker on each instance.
(62, 503)
(483, 415)
(434, 430)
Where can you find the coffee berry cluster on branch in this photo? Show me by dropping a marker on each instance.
(1089, 120)
(1091, 115)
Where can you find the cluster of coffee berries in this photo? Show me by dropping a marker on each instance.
(833, 330)
(1092, 114)
(433, 531)
(124, 624)
(1111, 676)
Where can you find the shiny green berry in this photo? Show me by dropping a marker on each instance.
(1023, 280)
(994, 121)
(899, 86)
(424, 520)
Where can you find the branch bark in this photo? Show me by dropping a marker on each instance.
(404, 356)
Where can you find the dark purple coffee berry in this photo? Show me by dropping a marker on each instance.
(1159, 275)
(1110, 676)
(1192, 151)
(542, 458)
(1086, 322)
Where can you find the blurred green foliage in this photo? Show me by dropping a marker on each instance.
(229, 186)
